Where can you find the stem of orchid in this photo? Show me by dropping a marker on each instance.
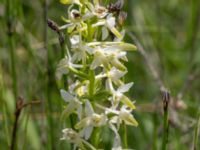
(96, 135)
(92, 81)
(125, 136)
(75, 71)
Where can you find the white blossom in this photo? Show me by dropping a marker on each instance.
(64, 65)
(73, 104)
(123, 114)
(91, 120)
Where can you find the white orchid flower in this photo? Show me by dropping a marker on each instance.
(114, 74)
(106, 56)
(110, 23)
(92, 120)
(106, 53)
(118, 95)
(75, 23)
(79, 49)
(73, 104)
(99, 59)
(123, 114)
(75, 138)
(64, 66)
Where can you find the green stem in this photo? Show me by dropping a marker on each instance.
(166, 130)
(79, 73)
(11, 42)
(6, 124)
(166, 100)
(125, 136)
(92, 82)
(48, 79)
(196, 133)
(13, 65)
(95, 137)
(155, 140)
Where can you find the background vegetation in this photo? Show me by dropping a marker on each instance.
(167, 35)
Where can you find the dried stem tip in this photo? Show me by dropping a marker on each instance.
(116, 7)
(166, 100)
(53, 25)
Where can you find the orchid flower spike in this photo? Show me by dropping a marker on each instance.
(93, 71)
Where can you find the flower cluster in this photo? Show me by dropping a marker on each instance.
(95, 68)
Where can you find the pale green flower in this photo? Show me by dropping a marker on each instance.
(118, 95)
(73, 104)
(107, 56)
(75, 138)
(79, 49)
(90, 121)
(110, 23)
(123, 114)
(64, 66)
(99, 59)
(114, 74)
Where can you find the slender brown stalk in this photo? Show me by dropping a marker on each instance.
(19, 107)
(166, 100)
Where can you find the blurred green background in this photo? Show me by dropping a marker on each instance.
(167, 30)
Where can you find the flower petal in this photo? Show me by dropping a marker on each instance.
(69, 109)
(83, 123)
(117, 139)
(127, 102)
(88, 109)
(124, 88)
(67, 97)
(87, 132)
(128, 118)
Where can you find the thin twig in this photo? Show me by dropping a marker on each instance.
(166, 100)
(19, 107)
